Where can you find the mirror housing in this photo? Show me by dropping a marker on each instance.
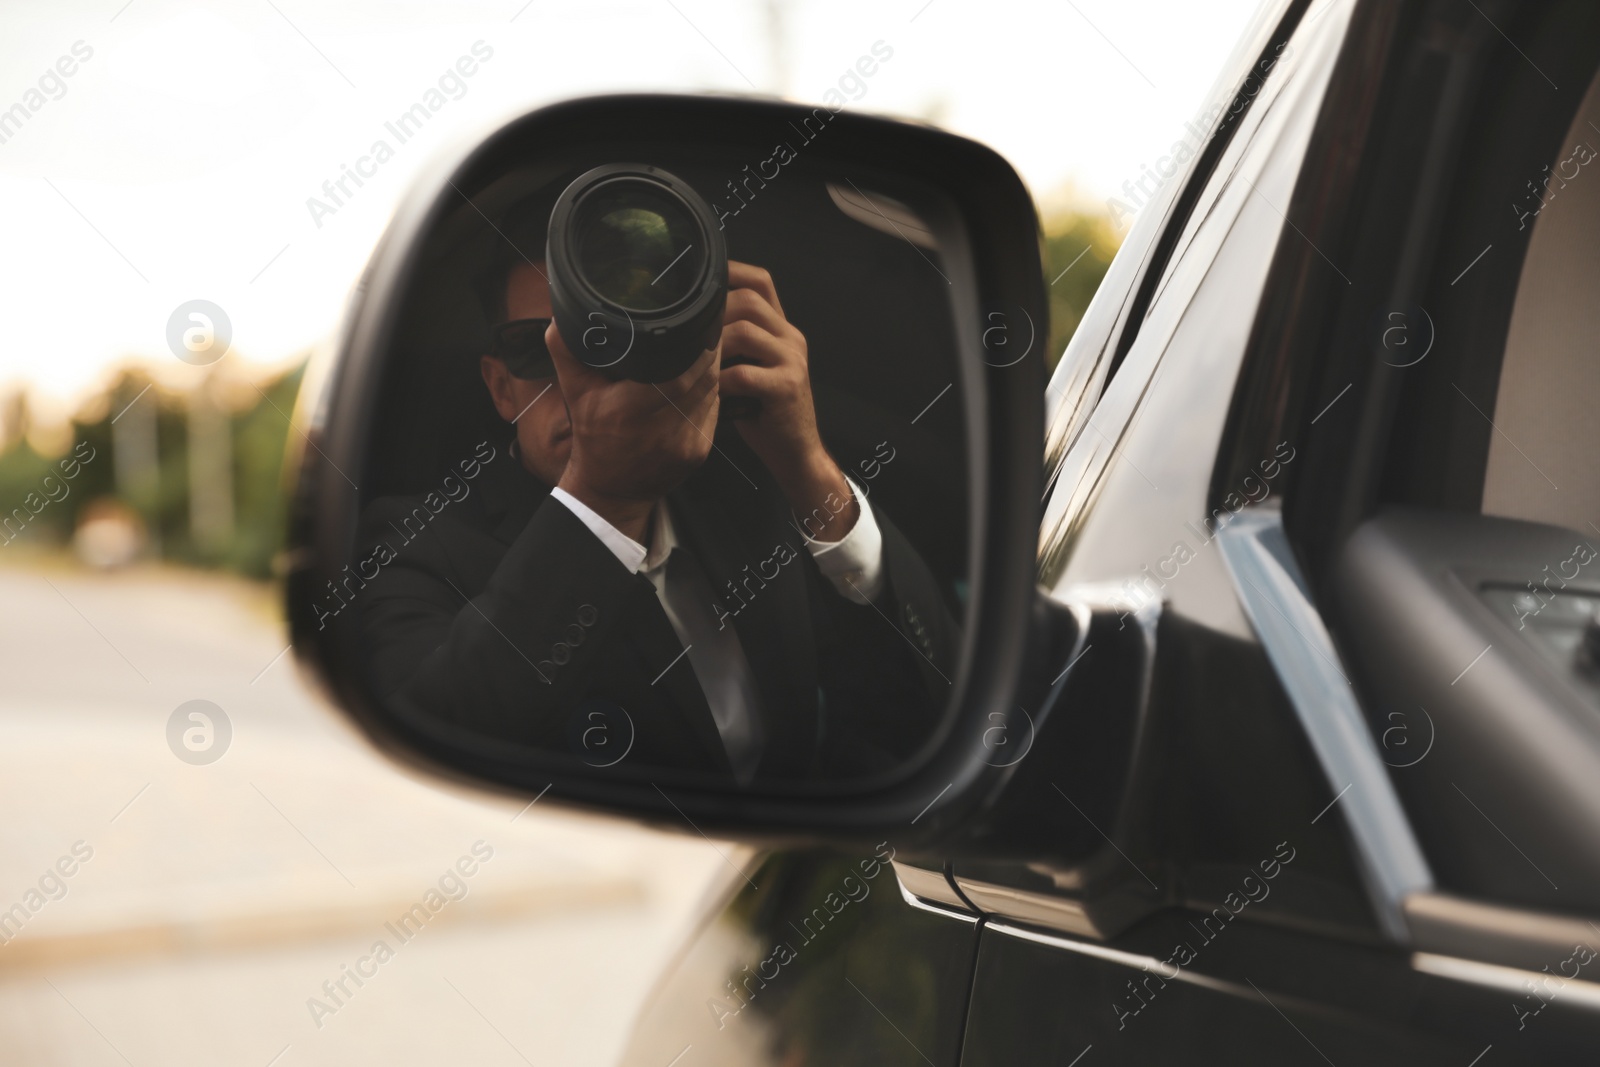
(987, 230)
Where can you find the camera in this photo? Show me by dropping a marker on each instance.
(638, 272)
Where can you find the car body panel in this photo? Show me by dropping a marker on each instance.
(816, 959)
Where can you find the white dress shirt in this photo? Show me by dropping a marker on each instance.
(853, 565)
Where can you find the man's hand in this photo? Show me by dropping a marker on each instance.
(633, 442)
(764, 356)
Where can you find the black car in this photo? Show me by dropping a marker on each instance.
(1259, 723)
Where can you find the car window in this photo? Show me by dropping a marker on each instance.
(1090, 426)
(1453, 480)
(1153, 201)
(1542, 463)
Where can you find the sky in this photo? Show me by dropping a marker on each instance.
(176, 161)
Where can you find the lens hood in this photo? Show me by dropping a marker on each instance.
(638, 272)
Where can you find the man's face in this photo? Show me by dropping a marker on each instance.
(544, 436)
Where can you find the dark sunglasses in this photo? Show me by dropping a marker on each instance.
(519, 344)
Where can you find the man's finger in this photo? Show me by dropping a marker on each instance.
(747, 276)
(751, 306)
(748, 379)
(743, 339)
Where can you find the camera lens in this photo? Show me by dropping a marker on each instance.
(638, 272)
(637, 245)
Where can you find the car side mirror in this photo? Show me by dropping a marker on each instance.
(681, 456)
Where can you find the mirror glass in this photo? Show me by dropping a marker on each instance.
(673, 485)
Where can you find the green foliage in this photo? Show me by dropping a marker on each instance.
(259, 434)
(260, 497)
(1068, 235)
(22, 472)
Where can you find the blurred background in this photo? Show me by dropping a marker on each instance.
(154, 153)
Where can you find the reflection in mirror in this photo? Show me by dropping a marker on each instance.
(672, 483)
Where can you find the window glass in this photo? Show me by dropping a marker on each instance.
(1542, 462)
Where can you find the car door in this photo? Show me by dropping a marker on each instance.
(816, 957)
(1290, 864)
(1245, 862)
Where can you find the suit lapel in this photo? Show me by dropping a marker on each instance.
(773, 623)
(510, 497)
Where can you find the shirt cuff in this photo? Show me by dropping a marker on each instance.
(854, 563)
(629, 552)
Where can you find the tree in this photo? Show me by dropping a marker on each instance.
(1078, 248)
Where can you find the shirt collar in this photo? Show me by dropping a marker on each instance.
(662, 539)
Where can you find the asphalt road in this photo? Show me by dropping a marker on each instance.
(214, 912)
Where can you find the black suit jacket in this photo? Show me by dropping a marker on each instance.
(503, 613)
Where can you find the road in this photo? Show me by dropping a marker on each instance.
(208, 904)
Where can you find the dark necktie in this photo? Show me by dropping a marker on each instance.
(718, 660)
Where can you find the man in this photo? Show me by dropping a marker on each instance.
(636, 580)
